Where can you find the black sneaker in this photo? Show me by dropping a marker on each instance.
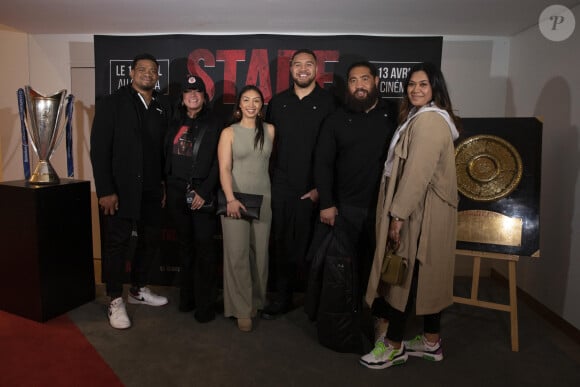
(204, 315)
(275, 309)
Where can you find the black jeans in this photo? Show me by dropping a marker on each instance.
(197, 248)
(398, 319)
(130, 246)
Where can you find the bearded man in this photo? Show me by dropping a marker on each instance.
(350, 155)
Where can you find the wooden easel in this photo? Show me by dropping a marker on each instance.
(512, 307)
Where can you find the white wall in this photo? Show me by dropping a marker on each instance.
(487, 77)
(544, 81)
(13, 76)
(43, 62)
(476, 71)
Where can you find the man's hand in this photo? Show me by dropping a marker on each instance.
(328, 215)
(109, 204)
(312, 195)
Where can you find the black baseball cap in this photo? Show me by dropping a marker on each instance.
(193, 82)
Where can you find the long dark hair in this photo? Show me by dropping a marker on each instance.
(237, 116)
(438, 88)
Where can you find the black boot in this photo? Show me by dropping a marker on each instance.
(186, 300)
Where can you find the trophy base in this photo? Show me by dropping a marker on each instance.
(44, 174)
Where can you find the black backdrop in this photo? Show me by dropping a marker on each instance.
(228, 62)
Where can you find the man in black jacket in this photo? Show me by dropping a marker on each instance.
(297, 114)
(350, 154)
(127, 158)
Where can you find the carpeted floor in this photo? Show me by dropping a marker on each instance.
(168, 348)
(55, 353)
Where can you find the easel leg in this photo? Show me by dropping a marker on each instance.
(475, 278)
(513, 306)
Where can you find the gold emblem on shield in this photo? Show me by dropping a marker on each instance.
(488, 168)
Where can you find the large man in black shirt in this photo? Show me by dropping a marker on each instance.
(127, 159)
(351, 151)
(297, 114)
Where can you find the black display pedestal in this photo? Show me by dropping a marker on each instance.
(46, 259)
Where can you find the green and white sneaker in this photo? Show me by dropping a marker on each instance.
(420, 347)
(384, 356)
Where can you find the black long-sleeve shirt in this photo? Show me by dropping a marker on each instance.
(350, 154)
(297, 122)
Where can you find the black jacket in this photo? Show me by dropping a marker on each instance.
(206, 170)
(350, 154)
(117, 143)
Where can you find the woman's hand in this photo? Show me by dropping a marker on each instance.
(234, 209)
(395, 232)
(197, 202)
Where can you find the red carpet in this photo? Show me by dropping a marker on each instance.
(54, 353)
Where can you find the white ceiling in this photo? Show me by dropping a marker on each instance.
(380, 17)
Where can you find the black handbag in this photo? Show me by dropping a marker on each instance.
(252, 202)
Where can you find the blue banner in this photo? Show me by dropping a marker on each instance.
(69, 140)
(25, 153)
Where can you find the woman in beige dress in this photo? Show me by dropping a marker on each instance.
(243, 154)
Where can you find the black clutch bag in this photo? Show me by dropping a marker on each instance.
(252, 202)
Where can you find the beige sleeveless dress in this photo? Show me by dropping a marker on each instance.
(246, 242)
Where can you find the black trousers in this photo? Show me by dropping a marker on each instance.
(197, 248)
(130, 246)
(398, 319)
(292, 224)
(364, 240)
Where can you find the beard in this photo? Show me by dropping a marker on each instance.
(360, 105)
(303, 83)
(147, 87)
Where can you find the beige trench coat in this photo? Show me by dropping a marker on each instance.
(423, 191)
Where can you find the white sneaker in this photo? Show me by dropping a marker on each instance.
(384, 356)
(118, 317)
(420, 347)
(146, 297)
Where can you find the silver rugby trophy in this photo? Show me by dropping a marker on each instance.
(45, 127)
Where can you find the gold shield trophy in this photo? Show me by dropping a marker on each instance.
(45, 127)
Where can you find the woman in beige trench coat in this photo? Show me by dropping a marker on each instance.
(417, 214)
